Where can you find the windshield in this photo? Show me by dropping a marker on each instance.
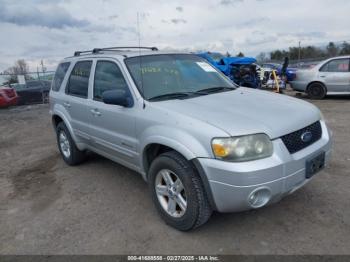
(157, 75)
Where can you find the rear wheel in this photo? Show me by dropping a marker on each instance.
(69, 151)
(316, 91)
(177, 191)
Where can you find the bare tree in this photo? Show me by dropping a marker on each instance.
(345, 48)
(261, 57)
(20, 68)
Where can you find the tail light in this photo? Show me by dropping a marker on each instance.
(10, 92)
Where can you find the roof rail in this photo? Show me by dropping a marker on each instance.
(97, 50)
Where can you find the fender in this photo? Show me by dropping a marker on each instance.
(60, 111)
(177, 139)
(170, 137)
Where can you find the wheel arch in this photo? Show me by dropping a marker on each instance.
(316, 82)
(57, 118)
(153, 150)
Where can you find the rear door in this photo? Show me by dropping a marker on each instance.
(112, 126)
(336, 75)
(75, 100)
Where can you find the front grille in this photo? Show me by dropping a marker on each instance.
(294, 142)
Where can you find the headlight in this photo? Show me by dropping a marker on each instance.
(242, 148)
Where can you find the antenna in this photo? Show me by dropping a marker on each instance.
(141, 73)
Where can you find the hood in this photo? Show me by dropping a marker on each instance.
(247, 111)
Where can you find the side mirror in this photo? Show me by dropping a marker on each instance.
(117, 97)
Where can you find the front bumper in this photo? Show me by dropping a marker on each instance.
(232, 184)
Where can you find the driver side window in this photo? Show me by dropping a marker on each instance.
(108, 76)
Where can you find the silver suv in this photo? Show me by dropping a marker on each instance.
(200, 142)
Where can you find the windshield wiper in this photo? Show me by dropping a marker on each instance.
(177, 95)
(215, 89)
(182, 95)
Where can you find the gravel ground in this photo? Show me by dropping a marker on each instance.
(100, 207)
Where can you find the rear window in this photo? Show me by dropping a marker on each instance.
(59, 76)
(78, 83)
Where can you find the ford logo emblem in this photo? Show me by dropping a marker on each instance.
(306, 137)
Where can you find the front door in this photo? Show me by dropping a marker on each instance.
(112, 126)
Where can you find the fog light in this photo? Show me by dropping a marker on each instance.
(259, 197)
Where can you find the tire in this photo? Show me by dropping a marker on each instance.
(197, 211)
(69, 151)
(45, 97)
(316, 91)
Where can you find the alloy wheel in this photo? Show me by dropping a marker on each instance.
(171, 193)
(64, 144)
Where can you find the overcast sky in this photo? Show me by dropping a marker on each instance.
(53, 29)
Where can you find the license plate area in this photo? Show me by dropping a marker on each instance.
(314, 165)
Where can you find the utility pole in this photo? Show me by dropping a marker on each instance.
(43, 68)
(299, 55)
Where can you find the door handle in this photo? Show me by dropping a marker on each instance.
(95, 112)
(66, 104)
(322, 76)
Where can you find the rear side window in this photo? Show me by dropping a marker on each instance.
(337, 65)
(59, 76)
(78, 83)
(107, 77)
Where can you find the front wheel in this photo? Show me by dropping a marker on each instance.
(316, 91)
(178, 193)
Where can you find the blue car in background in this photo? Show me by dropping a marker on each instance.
(290, 72)
(241, 70)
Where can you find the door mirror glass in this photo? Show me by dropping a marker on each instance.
(117, 97)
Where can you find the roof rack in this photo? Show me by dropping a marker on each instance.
(97, 50)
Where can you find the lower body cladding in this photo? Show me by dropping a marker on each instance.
(246, 185)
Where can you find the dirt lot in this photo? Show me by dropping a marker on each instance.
(101, 207)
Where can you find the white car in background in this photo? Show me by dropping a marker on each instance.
(329, 77)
